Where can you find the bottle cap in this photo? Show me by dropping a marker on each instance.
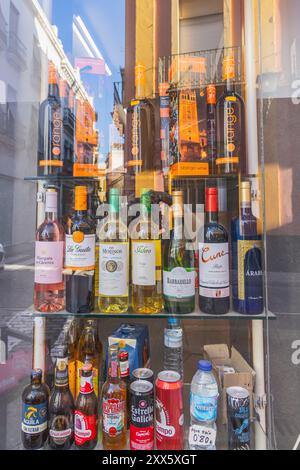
(177, 199)
(52, 74)
(211, 94)
(114, 195)
(123, 356)
(246, 191)
(229, 68)
(173, 321)
(140, 81)
(205, 366)
(80, 198)
(146, 200)
(211, 200)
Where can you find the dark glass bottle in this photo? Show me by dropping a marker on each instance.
(247, 271)
(230, 124)
(80, 257)
(50, 138)
(211, 99)
(214, 290)
(179, 266)
(61, 410)
(35, 412)
(86, 411)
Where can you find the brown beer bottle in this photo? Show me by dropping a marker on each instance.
(89, 351)
(35, 412)
(114, 405)
(86, 411)
(61, 410)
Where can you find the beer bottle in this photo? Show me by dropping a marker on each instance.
(89, 351)
(61, 410)
(35, 412)
(86, 411)
(114, 405)
(125, 376)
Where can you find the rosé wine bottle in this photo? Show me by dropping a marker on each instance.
(49, 291)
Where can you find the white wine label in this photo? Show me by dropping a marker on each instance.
(113, 269)
(179, 283)
(214, 270)
(143, 263)
(48, 262)
(80, 252)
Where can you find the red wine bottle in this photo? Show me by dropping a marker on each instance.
(214, 288)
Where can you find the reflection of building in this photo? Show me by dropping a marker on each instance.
(27, 43)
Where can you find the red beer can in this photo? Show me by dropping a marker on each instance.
(169, 411)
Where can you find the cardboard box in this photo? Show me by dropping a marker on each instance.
(244, 376)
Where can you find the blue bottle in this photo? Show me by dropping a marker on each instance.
(247, 270)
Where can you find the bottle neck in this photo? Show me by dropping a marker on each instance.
(229, 85)
(53, 90)
(51, 205)
(178, 227)
(212, 217)
(86, 384)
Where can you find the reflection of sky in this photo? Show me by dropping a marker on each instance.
(105, 21)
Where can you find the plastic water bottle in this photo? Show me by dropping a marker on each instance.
(203, 404)
(173, 347)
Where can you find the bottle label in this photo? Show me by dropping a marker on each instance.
(124, 369)
(204, 408)
(57, 125)
(173, 338)
(250, 273)
(80, 252)
(179, 283)
(144, 263)
(34, 418)
(214, 270)
(113, 269)
(60, 436)
(85, 428)
(113, 416)
(79, 364)
(48, 262)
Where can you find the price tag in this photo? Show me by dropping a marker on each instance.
(202, 436)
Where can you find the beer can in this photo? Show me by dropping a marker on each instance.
(169, 411)
(143, 374)
(238, 414)
(141, 415)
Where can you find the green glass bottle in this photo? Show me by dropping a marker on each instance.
(113, 260)
(179, 266)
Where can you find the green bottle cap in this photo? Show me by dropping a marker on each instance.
(114, 200)
(146, 200)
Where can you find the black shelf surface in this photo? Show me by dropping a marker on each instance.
(197, 315)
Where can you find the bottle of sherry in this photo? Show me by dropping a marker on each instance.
(230, 124)
(50, 139)
(247, 271)
(49, 291)
(80, 257)
(214, 290)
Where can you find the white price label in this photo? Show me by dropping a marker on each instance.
(202, 436)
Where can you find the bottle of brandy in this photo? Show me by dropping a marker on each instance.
(114, 405)
(230, 124)
(80, 257)
(179, 266)
(49, 291)
(214, 291)
(50, 138)
(247, 271)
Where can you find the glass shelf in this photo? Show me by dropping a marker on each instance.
(197, 315)
(63, 178)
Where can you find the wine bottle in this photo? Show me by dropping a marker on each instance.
(146, 262)
(49, 290)
(80, 257)
(211, 99)
(50, 137)
(113, 261)
(214, 291)
(230, 124)
(179, 266)
(247, 271)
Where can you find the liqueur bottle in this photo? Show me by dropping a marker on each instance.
(80, 257)
(113, 260)
(35, 412)
(211, 100)
(179, 266)
(49, 291)
(141, 127)
(86, 411)
(247, 271)
(61, 410)
(114, 405)
(146, 261)
(89, 351)
(230, 124)
(214, 290)
(50, 138)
